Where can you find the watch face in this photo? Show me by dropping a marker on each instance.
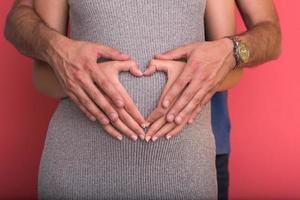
(244, 53)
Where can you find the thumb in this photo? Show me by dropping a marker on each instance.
(130, 66)
(156, 65)
(111, 53)
(181, 52)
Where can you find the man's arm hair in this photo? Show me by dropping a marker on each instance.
(263, 37)
(27, 32)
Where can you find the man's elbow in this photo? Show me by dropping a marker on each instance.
(13, 17)
(7, 32)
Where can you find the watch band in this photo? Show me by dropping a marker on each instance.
(236, 50)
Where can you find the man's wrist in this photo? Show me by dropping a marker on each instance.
(50, 42)
(228, 44)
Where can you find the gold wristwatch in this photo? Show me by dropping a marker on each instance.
(241, 51)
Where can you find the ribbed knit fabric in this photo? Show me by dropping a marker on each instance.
(80, 161)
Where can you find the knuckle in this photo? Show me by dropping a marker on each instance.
(197, 100)
(77, 74)
(132, 63)
(160, 112)
(210, 82)
(183, 114)
(103, 83)
(85, 102)
(94, 94)
(70, 85)
(195, 64)
(187, 96)
(152, 62)
(98, 114)
(180, 82)
(88, 67)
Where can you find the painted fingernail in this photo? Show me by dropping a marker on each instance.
(154, 138)
(104, 120)
(166, 103)
(148, 138)
(113, 116)
(119, 137)
(134, 137)
(178, 119)
(168, 136)
(170, 117)
(120, 104)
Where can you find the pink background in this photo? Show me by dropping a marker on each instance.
(264, 108)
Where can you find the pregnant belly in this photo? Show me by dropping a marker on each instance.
(144, 91)
(78, 152)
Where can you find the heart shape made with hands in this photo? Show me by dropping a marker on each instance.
(172, 69)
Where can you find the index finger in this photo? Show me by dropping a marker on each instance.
(109, 89)
(129, 105)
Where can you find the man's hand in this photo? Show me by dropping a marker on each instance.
(208, 63)
(75, 65)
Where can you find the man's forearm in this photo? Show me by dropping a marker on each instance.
(263, 41)
(28, 33)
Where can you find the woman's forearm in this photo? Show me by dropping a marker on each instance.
(231, 80)
(45, 81)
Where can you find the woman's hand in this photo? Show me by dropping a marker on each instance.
(174, 69)
(208, 63)
(75, 65)
(161, 126)
(125, 124)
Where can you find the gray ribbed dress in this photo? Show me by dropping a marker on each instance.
(80, 161)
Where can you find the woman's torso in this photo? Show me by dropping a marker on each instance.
(141, 29)
(81, 161)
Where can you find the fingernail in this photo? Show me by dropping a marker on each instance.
(166, 103)
(104, 120)
(148, 138)
(145, 125)
(154, 138)
(168, 136)
(178, 119)
(134, 137)
(191, 121)
(119, 103)
(92, 118)
(113, 116)
(142, 137)
(125, 55)
(140, 73)
(170, 117)
(119, 137)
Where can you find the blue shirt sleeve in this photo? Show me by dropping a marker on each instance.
(221, 122)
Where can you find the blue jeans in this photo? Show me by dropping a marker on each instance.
(222, 176)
